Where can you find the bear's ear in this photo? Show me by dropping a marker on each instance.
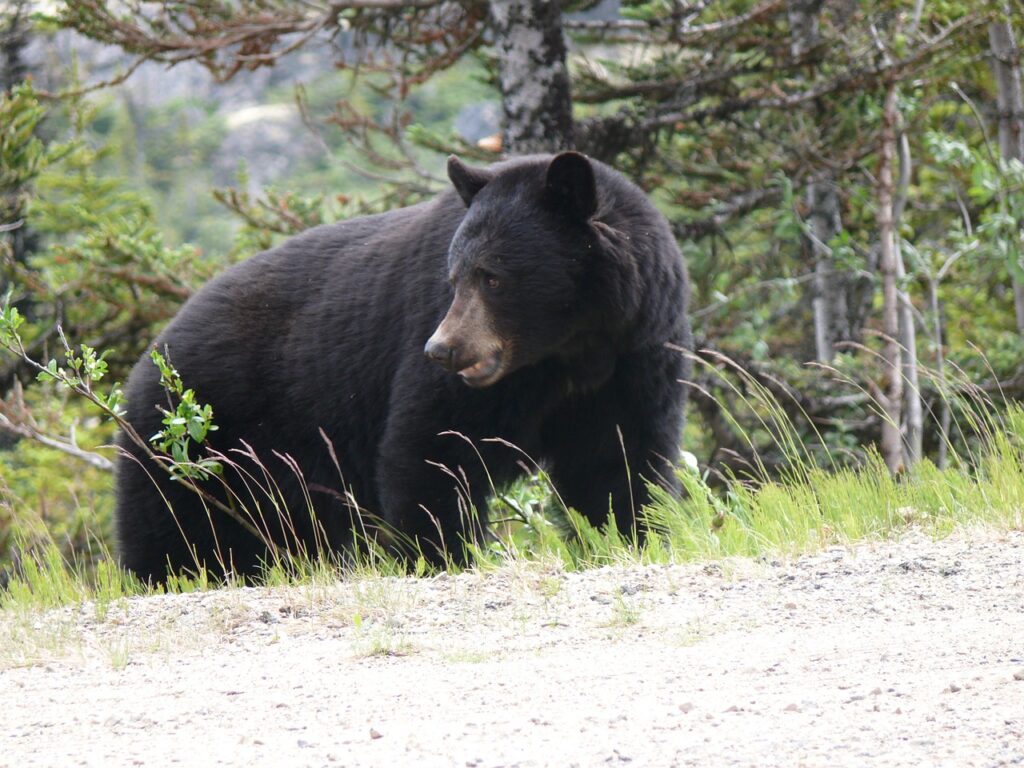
(466, 179)
(570, 185)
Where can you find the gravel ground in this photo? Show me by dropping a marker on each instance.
(907, 653)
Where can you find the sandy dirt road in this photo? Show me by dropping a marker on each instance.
(907, 653)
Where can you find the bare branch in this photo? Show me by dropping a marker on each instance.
(15, 419)
(63, 444)
(75, 93)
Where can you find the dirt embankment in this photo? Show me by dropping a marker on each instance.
(899, 654)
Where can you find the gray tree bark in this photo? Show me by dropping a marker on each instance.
(829, 303)
(1006, 72)
(824, 222)
(890, 394)
(533, 75)
(15, 27)
(945, 413)
(913, 407)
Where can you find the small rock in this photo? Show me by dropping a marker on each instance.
(953, 688)
(790, 606)
(686, 708)
(876, 692)
(1019, 674)
(792, 708)
(375, 734)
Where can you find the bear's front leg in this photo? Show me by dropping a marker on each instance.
(605, 446)
(432, 495)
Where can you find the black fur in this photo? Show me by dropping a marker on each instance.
(326, 332)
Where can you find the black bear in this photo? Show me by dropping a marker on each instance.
(365, 364)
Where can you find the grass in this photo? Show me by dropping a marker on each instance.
(808, 507)
(626, 612)
(381, 641)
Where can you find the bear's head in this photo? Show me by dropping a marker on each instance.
(517, 263)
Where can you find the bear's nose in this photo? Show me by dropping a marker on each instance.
(439, 352)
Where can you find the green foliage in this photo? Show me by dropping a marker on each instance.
(10, 321)
(82, 373)
(189, 423)
(811, 509)
(128, 232)
(104, 273)
(270, 215)
(23, 156)
(50, 499)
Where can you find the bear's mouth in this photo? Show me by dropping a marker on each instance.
(484, 371)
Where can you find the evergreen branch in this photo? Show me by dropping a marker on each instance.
(627, 30)
(853, 79)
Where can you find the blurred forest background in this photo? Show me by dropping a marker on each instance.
(844, 178)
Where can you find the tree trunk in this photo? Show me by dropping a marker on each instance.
(823, 219)
(890, 394)
(829, 304)
(803, 25)
(533, 75)
(1006, 72)
(14, 38)
(912, 404)
(940, 368)
(913, 407)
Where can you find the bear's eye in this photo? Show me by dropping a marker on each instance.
(491, 281)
